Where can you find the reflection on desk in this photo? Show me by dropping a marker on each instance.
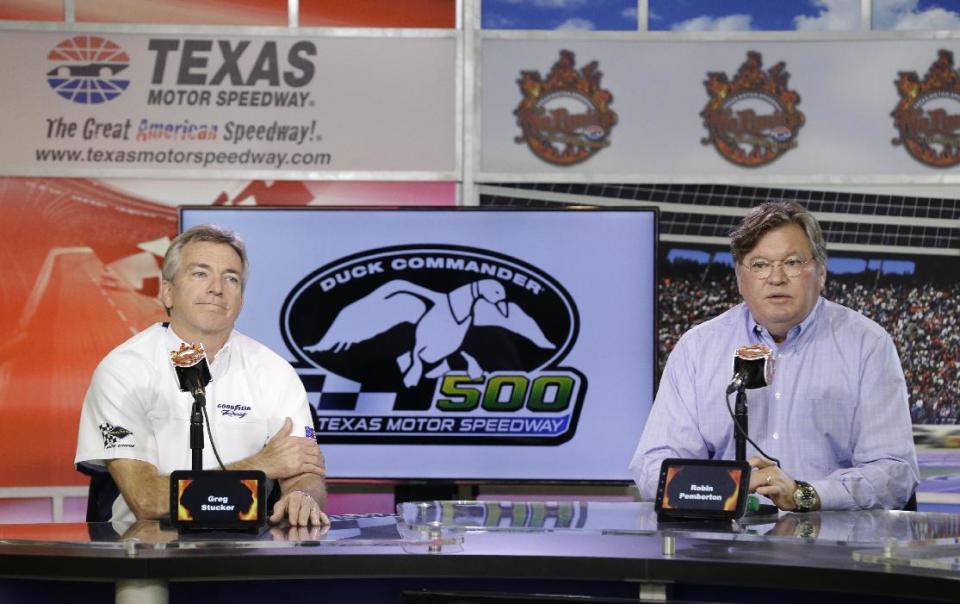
(577, 548)
(866, 527)
(352, 528)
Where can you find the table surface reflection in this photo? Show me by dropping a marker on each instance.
(905, 553)
(418, 523)
(862, 528)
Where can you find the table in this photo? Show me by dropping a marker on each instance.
(611, 551)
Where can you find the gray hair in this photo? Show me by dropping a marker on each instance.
(208, 233)
(771, 215)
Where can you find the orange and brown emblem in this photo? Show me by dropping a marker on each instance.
(926, 115)
(752, 120)
(566, 118)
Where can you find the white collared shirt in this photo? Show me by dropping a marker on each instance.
(134, 408)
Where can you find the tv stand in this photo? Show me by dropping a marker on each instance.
(434, 491)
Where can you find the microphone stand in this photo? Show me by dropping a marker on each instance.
(196, 428)
(740, 442)
(740, 417)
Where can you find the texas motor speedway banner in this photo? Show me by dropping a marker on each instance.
(162, 104)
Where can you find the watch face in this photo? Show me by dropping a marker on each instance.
(805, 497)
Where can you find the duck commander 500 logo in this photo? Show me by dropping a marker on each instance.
(436, 344)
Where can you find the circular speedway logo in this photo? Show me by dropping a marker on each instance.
(752, 120)
(86, 69)
(566, 117)
(436, 343)
(928, 113)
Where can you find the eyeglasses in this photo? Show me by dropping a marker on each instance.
(792, 267)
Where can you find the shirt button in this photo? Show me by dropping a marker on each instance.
(777, 396)
(776, 436)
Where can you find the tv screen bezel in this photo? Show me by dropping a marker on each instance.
(470, 480)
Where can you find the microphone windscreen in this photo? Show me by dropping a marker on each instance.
(190, 362)
(755, 363)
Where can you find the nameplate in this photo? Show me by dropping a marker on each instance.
(218, 500)
(702, 489)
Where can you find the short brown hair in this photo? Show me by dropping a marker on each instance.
(771, 215)
(209, 233)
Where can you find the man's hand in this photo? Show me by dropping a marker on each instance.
(285, 456)
(300, 509)
(770, 481)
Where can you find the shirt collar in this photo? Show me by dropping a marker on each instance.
(794, 332)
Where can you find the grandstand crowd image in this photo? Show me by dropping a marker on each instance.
(917, 301)
(893, 258)
(923, 317)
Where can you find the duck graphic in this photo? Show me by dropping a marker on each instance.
(441, 322)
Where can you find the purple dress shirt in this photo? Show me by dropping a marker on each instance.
(835, 413)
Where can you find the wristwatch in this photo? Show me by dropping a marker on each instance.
(806, 497)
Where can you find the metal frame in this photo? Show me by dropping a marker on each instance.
(57, 495)
(680, 208)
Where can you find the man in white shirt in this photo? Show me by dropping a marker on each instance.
(135, 420)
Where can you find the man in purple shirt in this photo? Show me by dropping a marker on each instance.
(835, 412)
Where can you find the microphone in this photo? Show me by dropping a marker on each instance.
(752, 368)
(193, 373)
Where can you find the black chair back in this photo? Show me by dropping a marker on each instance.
(911, 505)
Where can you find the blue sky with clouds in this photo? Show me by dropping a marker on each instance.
(583, 15)
(732, 15)
(916, 15)
(803, 15)
(720, 15)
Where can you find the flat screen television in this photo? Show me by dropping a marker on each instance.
(460, 344)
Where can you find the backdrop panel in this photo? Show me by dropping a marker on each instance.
(202, 105)
(805, 110)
